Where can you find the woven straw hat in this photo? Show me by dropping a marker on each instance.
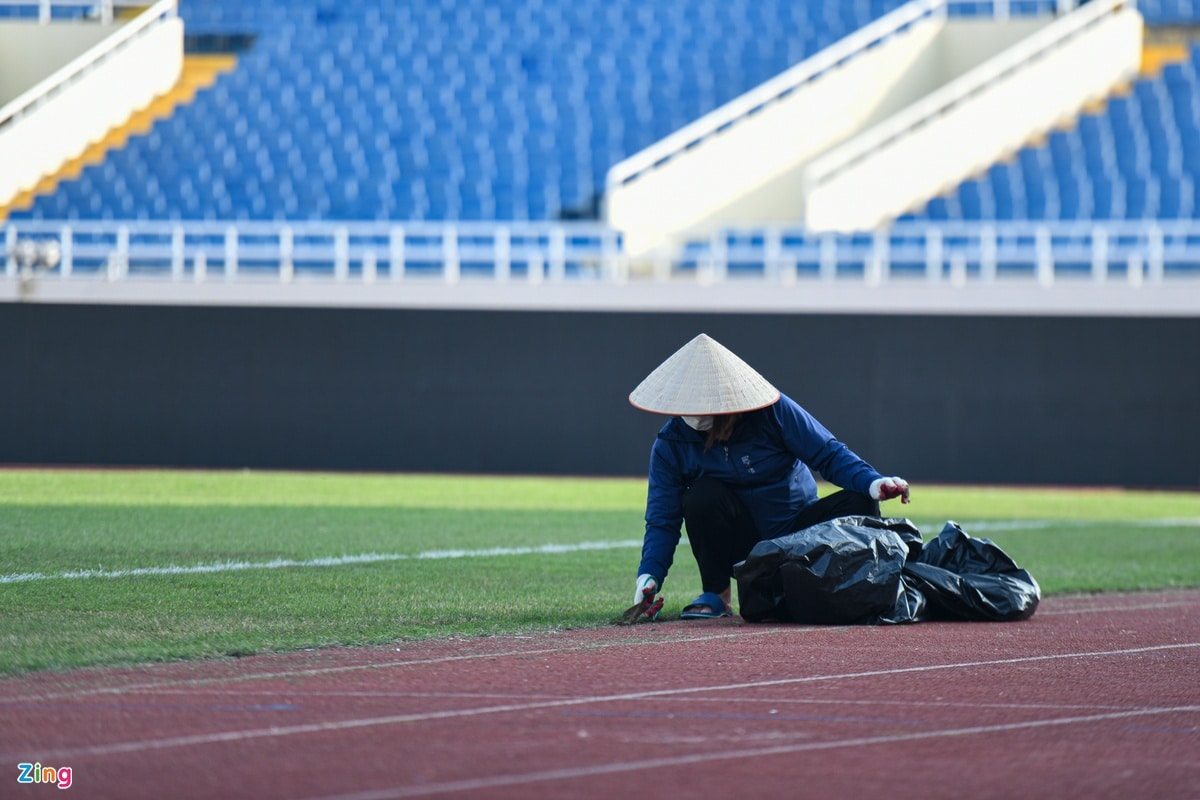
(703, 378)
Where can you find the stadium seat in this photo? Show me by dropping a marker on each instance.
(499, 109)
(577, 85)
(1138, 158)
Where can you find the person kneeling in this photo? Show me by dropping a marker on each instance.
(734, 465)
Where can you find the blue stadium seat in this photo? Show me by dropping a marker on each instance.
(491, 109)
(1141, 198)
(1176, 197)
(1138, 158)
(1170, 12)
(1104, 197)
(577, 84)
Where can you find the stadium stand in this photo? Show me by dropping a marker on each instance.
(514, 110)
(481, 110)
(1137, 158)
(472, 110)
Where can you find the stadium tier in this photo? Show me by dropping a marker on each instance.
(496, 109)
(1139, 158)
(515, 110)
(471, 109)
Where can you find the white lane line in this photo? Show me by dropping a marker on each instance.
(331, 561)
(817, 701)
(149, 745)
(572, 773)
(304, 694)
(1154, 606)
(739, 633)
(314, 671)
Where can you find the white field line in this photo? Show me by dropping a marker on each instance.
(331, 561)
(573, 773)
(986, 526)
(545, 549)
(196, 740)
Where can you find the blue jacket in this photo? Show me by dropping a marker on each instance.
(768, 462)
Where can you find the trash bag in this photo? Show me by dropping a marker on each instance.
(845, 571)
(972, 579)
(876, 571)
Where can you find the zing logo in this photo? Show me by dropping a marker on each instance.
(36, 773)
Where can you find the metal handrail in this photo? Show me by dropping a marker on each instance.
(448, 252)
(787, 82)
(774, 89)
(543, 250)
(45, 8)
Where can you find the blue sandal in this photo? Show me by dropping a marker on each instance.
(716, 605)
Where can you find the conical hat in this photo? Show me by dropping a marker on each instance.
(703, 378)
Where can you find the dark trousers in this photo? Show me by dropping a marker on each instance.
(722, 531)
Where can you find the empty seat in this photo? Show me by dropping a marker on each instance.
(496, 109)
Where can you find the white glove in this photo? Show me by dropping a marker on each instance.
(889, 488)
(645, 582)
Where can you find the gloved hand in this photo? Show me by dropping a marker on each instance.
(888, 488)
(645, 582)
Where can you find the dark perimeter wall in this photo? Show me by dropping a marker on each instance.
(1085, 401)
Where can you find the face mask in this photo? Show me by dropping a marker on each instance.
(698, 423)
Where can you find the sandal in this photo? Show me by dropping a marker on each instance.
(715, 605)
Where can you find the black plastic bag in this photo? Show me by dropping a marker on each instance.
(972, 579)
(873, 570)
(844, 571)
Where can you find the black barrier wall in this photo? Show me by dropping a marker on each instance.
(1074, 401)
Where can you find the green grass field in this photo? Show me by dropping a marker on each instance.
(120, 567)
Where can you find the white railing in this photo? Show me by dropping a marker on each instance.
(330, 253)
(77, 69)
(335, 252)
(946, 99)
(958, 253)
(1003, 9)
(44, 9)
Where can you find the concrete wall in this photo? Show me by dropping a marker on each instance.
(953, 138)
(751, 169)
(1011, 400)
(969, 41)
(754, 171)
(30, 52)
(787, 163)
(43, 138)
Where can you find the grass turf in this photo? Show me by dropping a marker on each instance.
(54, 523)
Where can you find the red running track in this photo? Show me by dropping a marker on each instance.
(1094, 697)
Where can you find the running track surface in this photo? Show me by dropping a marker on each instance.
(1094, 697)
